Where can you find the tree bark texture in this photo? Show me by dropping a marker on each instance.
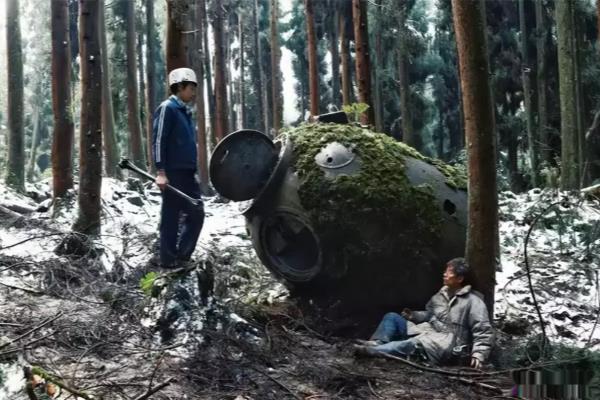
(136, 150)
(111, 147)
(90, 144)
(62, 138)
(313, 76)
(221, 113)
(275, 69)
(15, 168)
(542, 102)
(151, 103)
(363, 63)
(568, 103)
(470, 32)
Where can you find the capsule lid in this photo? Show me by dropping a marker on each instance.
(242, 163)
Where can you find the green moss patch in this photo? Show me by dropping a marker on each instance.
(375, 210)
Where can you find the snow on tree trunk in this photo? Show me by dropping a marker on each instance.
(90, 137)
(15, 168)
(481, 145)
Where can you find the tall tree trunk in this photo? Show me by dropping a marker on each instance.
(242, 112)
(142, 93)
(230, 99)
(35, 141)
(201, 133)
(90, 145)
(220, 86)
(568, 101)
(409, 136)
(275, 69)
(313, 76)
(345, 55)
(335, 56)
(150, 79)
(15, 168)
(136, 151)
(62, 138)
(176, 46)
(379, 66)
(470, 31)
(111, 147)
(592, 137)
(543, 127)
(259, 80)
(579, 100)
(526, 68)
(363, 64)
(208, 72)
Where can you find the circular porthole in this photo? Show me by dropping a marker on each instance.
(290, 246)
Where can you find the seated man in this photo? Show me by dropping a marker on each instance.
(455, 319)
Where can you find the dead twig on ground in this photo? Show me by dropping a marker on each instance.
(37, 328)
(155, 389)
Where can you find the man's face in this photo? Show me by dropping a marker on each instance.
(451, 279)
(187, 93)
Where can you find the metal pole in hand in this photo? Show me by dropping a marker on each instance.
(126, 164)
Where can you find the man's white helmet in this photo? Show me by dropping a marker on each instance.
(179, 75)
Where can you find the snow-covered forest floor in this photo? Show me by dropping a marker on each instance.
(225, 329)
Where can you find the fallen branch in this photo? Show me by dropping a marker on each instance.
(37, 328)
(58, 382)
(155, 389)
(462, 374)
(472, 382)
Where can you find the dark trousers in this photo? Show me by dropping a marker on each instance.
(178, 240)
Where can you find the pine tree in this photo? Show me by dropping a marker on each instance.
(363, 63)
(62, 138)
(90, 137)
(568, 102)
(221, 112)
(15, 173)
(136, 151)
(479, 129)
(312, 57)
(111, 147)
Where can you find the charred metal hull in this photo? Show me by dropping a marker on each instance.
(329, 222)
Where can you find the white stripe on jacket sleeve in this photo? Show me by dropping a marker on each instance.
(161, 123)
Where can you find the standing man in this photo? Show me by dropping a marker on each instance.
(175, 157)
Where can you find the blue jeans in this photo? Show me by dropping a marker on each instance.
(179, 242)
(392, 331)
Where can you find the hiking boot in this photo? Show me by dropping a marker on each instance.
(370, 343)
(365, 351)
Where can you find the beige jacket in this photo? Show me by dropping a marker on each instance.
(450, 322)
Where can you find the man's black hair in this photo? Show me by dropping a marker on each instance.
(176, 87)
(460, 267)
